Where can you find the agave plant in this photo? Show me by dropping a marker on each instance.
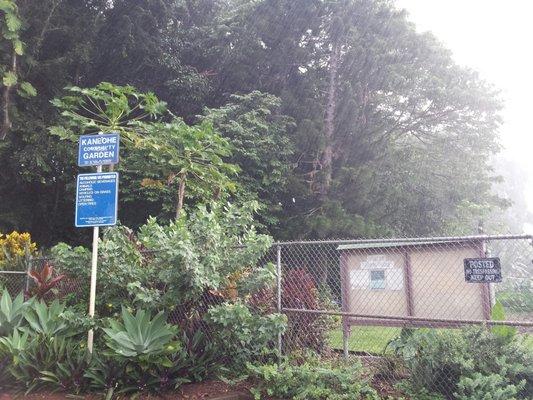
(139, 335)
(46, 320)
(44, 281)
(11, 312)
(14, 344)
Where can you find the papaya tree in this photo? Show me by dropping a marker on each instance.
(191, 156)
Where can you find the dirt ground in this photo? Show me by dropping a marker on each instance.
(197, 391)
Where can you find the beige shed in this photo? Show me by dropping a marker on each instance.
(411, 284)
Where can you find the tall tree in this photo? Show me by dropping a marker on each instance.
(344, 120)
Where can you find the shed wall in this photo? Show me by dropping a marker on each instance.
(438, 288)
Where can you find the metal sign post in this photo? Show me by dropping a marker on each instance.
(94, 268)
(96, 198)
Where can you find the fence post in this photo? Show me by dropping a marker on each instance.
(29, 265)
(278, 284)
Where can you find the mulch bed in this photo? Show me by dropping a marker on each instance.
(212, 390)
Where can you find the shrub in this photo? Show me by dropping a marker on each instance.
(213, 250)
(435, 359)
(304, 330)
(465, 361)
(11, 312)
(45, 351)
(310, 381)
(143, 346)
(14, 247)
(243, 337)
(487, 387)
(143, 354)
(44, 281)
(519, 298)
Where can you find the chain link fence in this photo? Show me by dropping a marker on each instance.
(352, 298)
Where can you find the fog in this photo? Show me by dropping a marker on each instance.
(494, 38)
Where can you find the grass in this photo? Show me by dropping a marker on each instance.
(373, 339)
(369, 339)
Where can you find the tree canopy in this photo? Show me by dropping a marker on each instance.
(336, 116)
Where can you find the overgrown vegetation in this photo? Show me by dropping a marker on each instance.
(474, 363)
(182, 316)
(311, 380)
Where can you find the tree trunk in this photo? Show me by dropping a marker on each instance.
(326, 158)
(181, 194)
(6, 121)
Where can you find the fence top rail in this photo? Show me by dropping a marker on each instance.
(408, 240)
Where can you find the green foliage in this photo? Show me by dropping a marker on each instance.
(11, 312)
(144, 348)
(38, 361)
(435, 359)
(487, 387)
(472, 361)
(518, 299)
(45, 349)
(188, 359)
(261, 71)
(177, 158)
(172, 264)
(105, 108)
(310, 381)
(46, 320)
(259, 134)
(242, 336)
(10, 34)
(139, 335)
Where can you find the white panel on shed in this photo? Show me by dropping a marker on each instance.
(395, 279)
(359, 278)
(377, 261)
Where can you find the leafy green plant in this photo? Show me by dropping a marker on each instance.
(185, 158)
(173, 265)
(47, 320)
(145, 347)
(15, 344)
(310, 381)
(105, 374)
(68, 373)
(519, 298)
(243, 337)
(435, 359)
(11, 312)
(139, 335)
(438, 360)
(105, 108)
(37, 361)
(487, 387)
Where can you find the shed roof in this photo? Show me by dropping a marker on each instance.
(385, 245)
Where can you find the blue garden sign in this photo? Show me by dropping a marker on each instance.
(98, 149)
(96, 199)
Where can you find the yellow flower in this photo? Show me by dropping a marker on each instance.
(16, 244)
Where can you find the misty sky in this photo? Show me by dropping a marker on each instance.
(494, 37)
